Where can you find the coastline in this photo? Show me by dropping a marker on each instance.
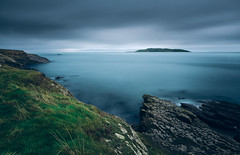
(181, 119)
(47, 111)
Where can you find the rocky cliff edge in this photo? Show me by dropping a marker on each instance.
(181, 131)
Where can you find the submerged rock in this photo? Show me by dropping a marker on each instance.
(181, 131)
(59, 77)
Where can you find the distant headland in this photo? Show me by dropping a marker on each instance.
(162, 50)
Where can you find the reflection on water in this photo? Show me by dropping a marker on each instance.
(115, 82)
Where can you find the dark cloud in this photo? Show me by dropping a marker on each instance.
(131, 24)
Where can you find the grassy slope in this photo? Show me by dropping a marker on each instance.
(39, 116)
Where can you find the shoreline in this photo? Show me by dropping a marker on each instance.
(154, 111)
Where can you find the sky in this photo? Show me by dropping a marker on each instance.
(120, 25)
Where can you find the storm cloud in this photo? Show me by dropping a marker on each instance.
(124, 25)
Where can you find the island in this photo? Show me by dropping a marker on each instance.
(161, 50)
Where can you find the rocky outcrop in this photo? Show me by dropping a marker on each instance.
(37, 59)
(181, 131)
(5, 60)
(19, 59)
(222, 115)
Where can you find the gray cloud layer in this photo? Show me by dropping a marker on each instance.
(125, 24)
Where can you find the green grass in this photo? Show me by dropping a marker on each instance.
(38, 116)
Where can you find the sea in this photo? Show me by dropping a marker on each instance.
(115, 81)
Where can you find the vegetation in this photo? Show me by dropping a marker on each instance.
(153, 148)
(39, 116)
(19, 59)
(161, 50)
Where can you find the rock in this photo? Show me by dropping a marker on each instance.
(223, 116)
(107, 140)
(5, 60)
(119, 136)
(184, 118)
(19, 59)
(193, 109)
(180, 131)
(37, 59)
(59, 77)
(181, 98)
(237, 137)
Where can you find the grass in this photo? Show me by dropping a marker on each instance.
(39, 116)
(153, 148)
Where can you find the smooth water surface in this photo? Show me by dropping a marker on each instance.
(115, 82)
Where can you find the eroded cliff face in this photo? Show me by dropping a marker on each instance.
(181, 131)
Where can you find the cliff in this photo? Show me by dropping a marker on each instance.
(39, 116)
(18, 58)
(161, 50)
(180, 131)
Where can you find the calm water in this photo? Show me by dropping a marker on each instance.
(115, 82)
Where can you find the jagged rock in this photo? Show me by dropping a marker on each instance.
(181, 131)
(220, 115)
(192, 108)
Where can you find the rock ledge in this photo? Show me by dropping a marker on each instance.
(181, 131)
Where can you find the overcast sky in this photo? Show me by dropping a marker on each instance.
(119, 25)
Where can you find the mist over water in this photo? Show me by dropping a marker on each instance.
(115, 82)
